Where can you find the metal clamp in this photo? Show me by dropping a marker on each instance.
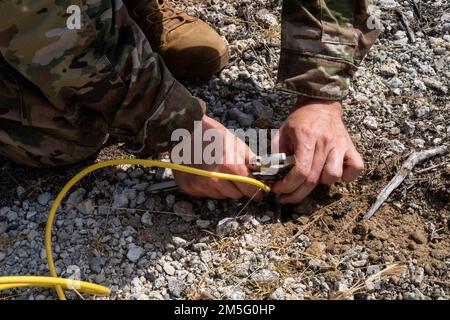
(272, 167)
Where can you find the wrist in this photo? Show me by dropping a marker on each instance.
(330, 105)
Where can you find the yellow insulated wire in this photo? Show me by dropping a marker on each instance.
(50, 282)
(84, 287)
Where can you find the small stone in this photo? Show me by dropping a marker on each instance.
(76, 197)
(395, 131)
(435, 85)
(278, 294)
(437, 141)
(169, 269)
(419, 276)
(395, 83)
(96, 264)
(31, 214)
(175, 286)
(303, 240)
(211, 205)
(316, 249)
(11, 216)
(261, 110)
(265, 276)
(244, 119)
(170, 201)
(120, 201)
(342, 286)
(266, 18)
(44, 198)
(203, 224)
(121, 175)
(397, 146)
(389, 69)
(147, 219)
(315, 264)
(226, 227)
(408, 128)
(164, 174)
(134, 253)
(418, 237)
(419, 143)
(179, 242)
(361, 228)
(439, 51)
(3, 227)
(419, 85)
(21, 192)
(370, 122)
(387, 3)
(409, 296)
(185, 210)
(422, 112)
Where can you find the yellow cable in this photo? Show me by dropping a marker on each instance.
(84, 287)
(49, 282)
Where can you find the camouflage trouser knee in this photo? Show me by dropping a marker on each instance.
(35, 133)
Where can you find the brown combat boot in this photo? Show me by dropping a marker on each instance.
(190, 47)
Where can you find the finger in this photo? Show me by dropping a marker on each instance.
(334, 166)
(353, 165)
(229, 190)
(252, 192)
(195, 186)
(311, 181)
(304, 154)
(246, 189)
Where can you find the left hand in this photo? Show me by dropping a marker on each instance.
(324, 151)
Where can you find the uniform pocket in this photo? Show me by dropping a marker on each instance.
(337, 19)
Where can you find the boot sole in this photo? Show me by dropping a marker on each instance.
(201, 70)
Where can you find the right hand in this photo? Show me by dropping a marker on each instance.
(233, 148)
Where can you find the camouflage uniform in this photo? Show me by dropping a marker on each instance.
(62, 92)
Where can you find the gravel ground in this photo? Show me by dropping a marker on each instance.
(171, 246)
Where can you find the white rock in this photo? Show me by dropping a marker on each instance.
(169, 269)
(370, 122)
(266, 18)
(420, 143)
(226, 226)
(265, 276)
(179, 242)
(147, 219)
(395, 83)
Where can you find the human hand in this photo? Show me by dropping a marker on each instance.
(324, 151)
(235, 155)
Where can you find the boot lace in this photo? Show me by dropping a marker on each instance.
(160, 12)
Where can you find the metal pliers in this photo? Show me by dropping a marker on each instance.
(270, 169)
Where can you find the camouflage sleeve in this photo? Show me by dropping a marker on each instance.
(105, 65)
(322, 44)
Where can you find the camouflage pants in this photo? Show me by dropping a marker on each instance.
(33, 132)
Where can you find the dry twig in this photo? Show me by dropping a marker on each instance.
(414, 159)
